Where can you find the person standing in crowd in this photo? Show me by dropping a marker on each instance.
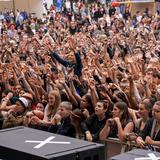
(120, 125)
(151, 132)
(61, 123)
(93, 125)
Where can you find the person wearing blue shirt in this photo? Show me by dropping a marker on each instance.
(76, 65)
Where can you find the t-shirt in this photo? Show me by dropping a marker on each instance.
(94, 125)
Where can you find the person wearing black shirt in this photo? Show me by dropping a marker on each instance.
(61, 123)
(92, 126)
(112, 11)
(151, 132)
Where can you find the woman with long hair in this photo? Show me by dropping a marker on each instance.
(54, 100)
(144, 111)
(119, 125)
(151, 133)
(53, 103)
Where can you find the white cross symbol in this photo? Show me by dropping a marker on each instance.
(48, 140)
(151, 157)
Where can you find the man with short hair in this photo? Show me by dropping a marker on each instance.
(62, 122)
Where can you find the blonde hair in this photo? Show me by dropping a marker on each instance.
(57, 102)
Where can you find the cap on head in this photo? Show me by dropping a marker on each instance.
(24, 102)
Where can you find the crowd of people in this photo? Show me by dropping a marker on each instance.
(90, 72)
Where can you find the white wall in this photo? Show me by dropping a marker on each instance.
(7, 4)
(32, 6)
(142, 7)
(22, 4)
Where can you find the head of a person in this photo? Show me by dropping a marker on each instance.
(21, 105)
(73, 25)
(127, 9)
(120, 109)
(12, 26)
(124, 85)
(51, 98)
(44, 100)
(18, 89)
(156, 77)
(77, 116)
(156, 111)
(22, 92)
(70, 56)
(65, 109)
(40, 107)
(100, 108)
(149, 72)
(86, 103)
(145, 108)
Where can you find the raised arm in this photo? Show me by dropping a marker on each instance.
(61, 60)
(71, 97)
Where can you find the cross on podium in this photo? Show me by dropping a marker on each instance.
(46, 141)
(31, 144)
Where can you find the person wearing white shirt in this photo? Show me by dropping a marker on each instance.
(68, 5)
